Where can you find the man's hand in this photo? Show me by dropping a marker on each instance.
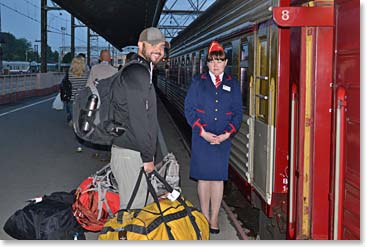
(149, 167)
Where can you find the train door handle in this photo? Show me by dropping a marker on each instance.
(261, 96)
(261, 77)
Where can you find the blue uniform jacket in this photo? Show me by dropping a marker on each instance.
(217, 110)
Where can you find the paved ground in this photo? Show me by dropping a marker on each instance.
(38, 156)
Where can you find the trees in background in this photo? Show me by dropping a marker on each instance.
(21, 50)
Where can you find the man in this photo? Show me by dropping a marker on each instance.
(98, 72)
(102, 70)
(82, 55)
(134, 106)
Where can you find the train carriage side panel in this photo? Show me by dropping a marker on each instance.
(346, 219)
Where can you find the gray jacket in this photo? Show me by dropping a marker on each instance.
(101, 71)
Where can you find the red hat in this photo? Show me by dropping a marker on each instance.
(215, 46)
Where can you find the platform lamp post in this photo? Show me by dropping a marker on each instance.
(44, 10)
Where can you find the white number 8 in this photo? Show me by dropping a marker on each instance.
(285, 15)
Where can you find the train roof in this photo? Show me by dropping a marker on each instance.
(16, 62)
(119, 22)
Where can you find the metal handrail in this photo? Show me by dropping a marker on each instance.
(339, 162)
(293, 156)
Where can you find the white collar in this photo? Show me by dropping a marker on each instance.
(212, 76)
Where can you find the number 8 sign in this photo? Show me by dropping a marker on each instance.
(303, 16)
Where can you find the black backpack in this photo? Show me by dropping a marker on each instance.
(50, 219)
(93, 120)
(65, 88)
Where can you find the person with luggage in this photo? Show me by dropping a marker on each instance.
(99, 72)
(134, 106)
(213, 107)
(77, 76)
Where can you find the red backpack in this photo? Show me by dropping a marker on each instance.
(96, 200)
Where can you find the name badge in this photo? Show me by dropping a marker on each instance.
(225, 87)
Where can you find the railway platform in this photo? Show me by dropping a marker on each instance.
(39, 157)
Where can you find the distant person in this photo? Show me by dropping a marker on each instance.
(102, 70)
(78, 76)
(82, 55)
(134, 105)
(131, 56)
(98, 72)
(213, 107)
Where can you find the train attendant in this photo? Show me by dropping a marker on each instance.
(213, 107)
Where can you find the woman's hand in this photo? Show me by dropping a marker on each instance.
(221, 138)
(209, 137)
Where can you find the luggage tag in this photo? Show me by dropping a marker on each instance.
(173, 195)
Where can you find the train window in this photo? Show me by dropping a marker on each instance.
(244, 77)
(194, 68)
(188, 69)
(182, 71)
(202, 62)
(173, 73)
(262, 87)
(228, 51)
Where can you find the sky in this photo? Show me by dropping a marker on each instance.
(22, 19)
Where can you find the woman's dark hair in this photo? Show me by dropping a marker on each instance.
(216, 55)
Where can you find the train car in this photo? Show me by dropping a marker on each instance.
(16, 67)
(289, 157)
(21, 67)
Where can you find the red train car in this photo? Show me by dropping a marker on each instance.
(325, 144)
(296, 156)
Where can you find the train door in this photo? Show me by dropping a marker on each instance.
(311, 71)
(263, 102)
(346, 182)
(242, 147)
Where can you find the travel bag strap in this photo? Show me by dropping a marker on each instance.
(180, 200)
(156, 200)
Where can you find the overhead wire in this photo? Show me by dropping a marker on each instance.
(38, 21)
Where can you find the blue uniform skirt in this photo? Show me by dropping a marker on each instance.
(209, 162)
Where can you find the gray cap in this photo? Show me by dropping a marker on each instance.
(153, 36)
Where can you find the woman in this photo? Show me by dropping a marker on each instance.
(213, 107)
(78, 76)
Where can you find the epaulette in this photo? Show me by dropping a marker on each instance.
(229, 77)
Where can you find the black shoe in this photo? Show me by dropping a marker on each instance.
(214, 231)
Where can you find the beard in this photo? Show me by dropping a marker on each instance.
(154, 57)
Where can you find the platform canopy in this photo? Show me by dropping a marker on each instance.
(117, 21)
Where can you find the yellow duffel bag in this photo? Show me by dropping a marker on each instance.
(160, 220)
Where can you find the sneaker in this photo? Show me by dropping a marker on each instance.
(70, 123)
(79, 149)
